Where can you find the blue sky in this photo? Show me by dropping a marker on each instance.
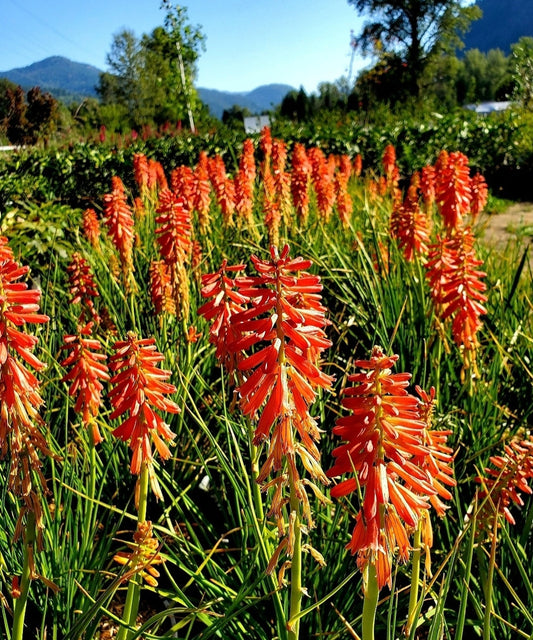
(248, 42)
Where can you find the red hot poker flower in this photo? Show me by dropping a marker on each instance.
(382, 436)
(504, 482)
(285, 323)
(87, 368)
(91, 227)
(301, 170)
(452, 190)
(119, 219)
(21, 437)
(224, 302)
(139, 389)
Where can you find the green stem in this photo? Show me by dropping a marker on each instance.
(370, 602)
(21, 602)
(415, 577)
(489, 585)
(296, 562)
(131, 607)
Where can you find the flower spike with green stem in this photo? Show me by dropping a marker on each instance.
(284, 323)
(139, 391)
(22, 435)
(381, 437)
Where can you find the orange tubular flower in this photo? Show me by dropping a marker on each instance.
(119, 219)
(452, 190)
(244, 184)
(202, 192)
(143, 556)
(480, 194)
(141, 172)
(224, 189)
(161, 288)
(440, 458)
(503, 483)
(392, 173)
(322, 182)
(357, 165)
(427, 186)
(224, 302)
(91, 227)
(139, 387)
(409, 226)
(182, 183)
(342, 197)
(285, 321)
(82, 286)
(462, 292)
(174, 231)
(87, 370)
(174, 239)
(382, 436)
(301, 170)
(21, 436)
(281, 179)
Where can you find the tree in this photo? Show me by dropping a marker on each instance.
(413, 31)
(522, 71)
(151, 79)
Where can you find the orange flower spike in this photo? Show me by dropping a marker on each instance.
(161, 288)
(174, 231)
(294, 327)
(83, 288)
(382, 436)
(462, 291)
(427, 186)
(357, 165)
(224, 302)
(453, 191)
(139, 388)
(390, 168)
(21, 437)
(480, 194)
(119, 219)
(202, 192)
(182, 184)
(87, 370)
(143, 556)
(342, 197)
(438, 462)
(301, 170)
(223, 187)
(247, 166)
(323, 183)
(281, 179)
(504, 482)
(409, 226)
(141, 172)
(91, 227)
(245, 183)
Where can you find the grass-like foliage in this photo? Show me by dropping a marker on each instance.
(289, 400)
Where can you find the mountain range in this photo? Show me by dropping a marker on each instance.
(503, 23)
(72, 81)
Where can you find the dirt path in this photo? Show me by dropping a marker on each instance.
(514, 223)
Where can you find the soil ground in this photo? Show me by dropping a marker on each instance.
(515, 223)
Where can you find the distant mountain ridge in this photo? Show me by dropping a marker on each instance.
(503, 23)
(263, 98)
(56, 73)
(64, 78)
